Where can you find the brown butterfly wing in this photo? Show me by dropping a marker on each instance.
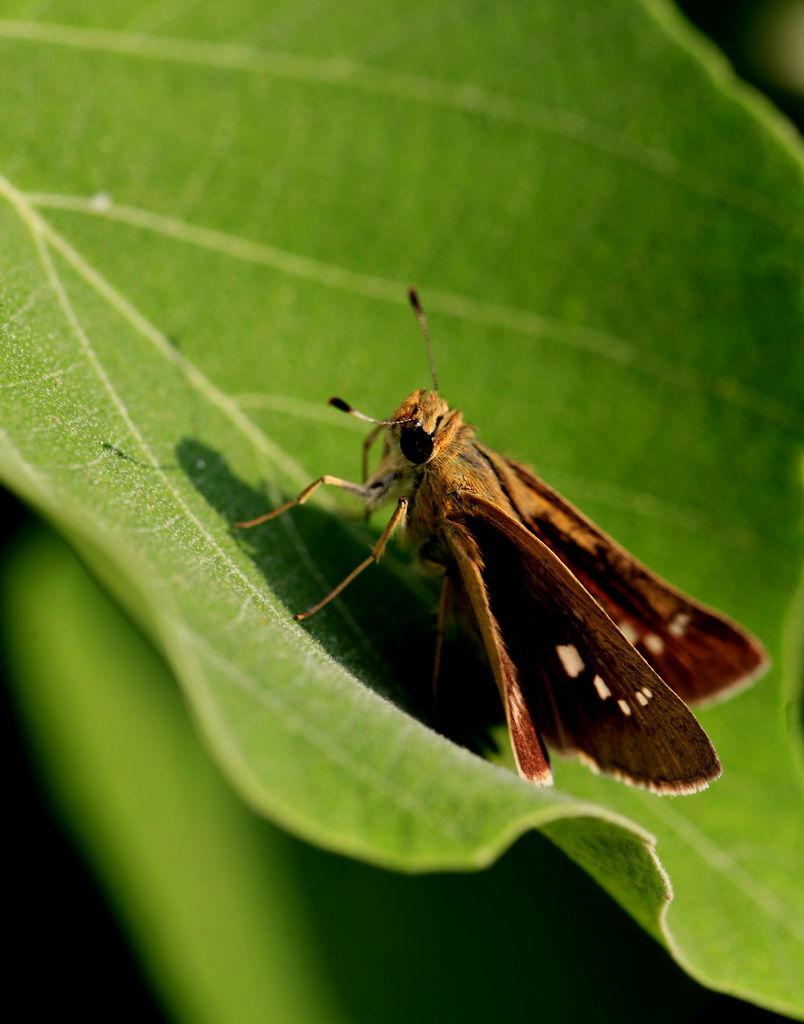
(565, 671)
(529, 751)
(698, 652)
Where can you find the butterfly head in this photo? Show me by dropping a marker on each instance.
(422, 427)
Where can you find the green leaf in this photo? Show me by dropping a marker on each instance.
(232, 918)
(208, 224)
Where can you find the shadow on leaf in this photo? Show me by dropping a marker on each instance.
(382, 628)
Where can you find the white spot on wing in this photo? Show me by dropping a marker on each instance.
(678, 624)
(647, 692)
(625, 707)
(602, 690)
(641, 698)
(629, 632)
(570, 659)
(654, 643)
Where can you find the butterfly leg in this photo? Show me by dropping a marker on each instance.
(372, 437)
(376, 553)
(332, 481)
(443, 608)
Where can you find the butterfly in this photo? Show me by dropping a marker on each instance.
(594, 655)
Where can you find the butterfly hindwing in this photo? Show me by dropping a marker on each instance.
(698, 652)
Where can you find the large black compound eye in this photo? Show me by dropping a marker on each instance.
(416, 444)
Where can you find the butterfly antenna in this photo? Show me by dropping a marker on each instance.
(345, 407)
(417, 309)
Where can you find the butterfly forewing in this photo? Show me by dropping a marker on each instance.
(584, 688)
(698, 652)
(530, 753)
